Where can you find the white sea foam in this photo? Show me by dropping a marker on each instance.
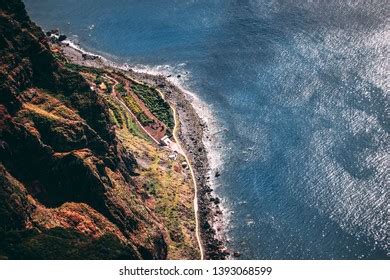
(107, 59)
(76, 46)
(212, 137)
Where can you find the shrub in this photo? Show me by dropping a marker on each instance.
(155, 103)
(120, 88)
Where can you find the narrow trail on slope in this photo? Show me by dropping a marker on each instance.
(195, 185)
(176, 138)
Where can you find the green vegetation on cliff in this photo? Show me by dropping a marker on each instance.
(67, 184)
(122, 119)
(155, 103)
(79, 179)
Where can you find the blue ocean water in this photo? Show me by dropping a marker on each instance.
(301, 91)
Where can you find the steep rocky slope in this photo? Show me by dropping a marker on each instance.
(66, 186)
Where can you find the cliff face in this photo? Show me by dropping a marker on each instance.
(66, 189)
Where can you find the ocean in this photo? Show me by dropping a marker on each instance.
(299, 98)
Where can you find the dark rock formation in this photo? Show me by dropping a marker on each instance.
(66, 189)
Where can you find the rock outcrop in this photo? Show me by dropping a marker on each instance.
(66, 187)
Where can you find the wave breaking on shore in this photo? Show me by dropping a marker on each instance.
(211, 131)
(212, 136)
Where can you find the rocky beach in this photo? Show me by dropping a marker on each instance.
(192, 131)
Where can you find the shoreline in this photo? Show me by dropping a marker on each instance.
(191, 130)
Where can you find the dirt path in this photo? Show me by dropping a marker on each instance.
(75, 56)
(114, 95)
(195, 185)
(176, 138)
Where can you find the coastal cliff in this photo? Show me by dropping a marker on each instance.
(78, 178)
